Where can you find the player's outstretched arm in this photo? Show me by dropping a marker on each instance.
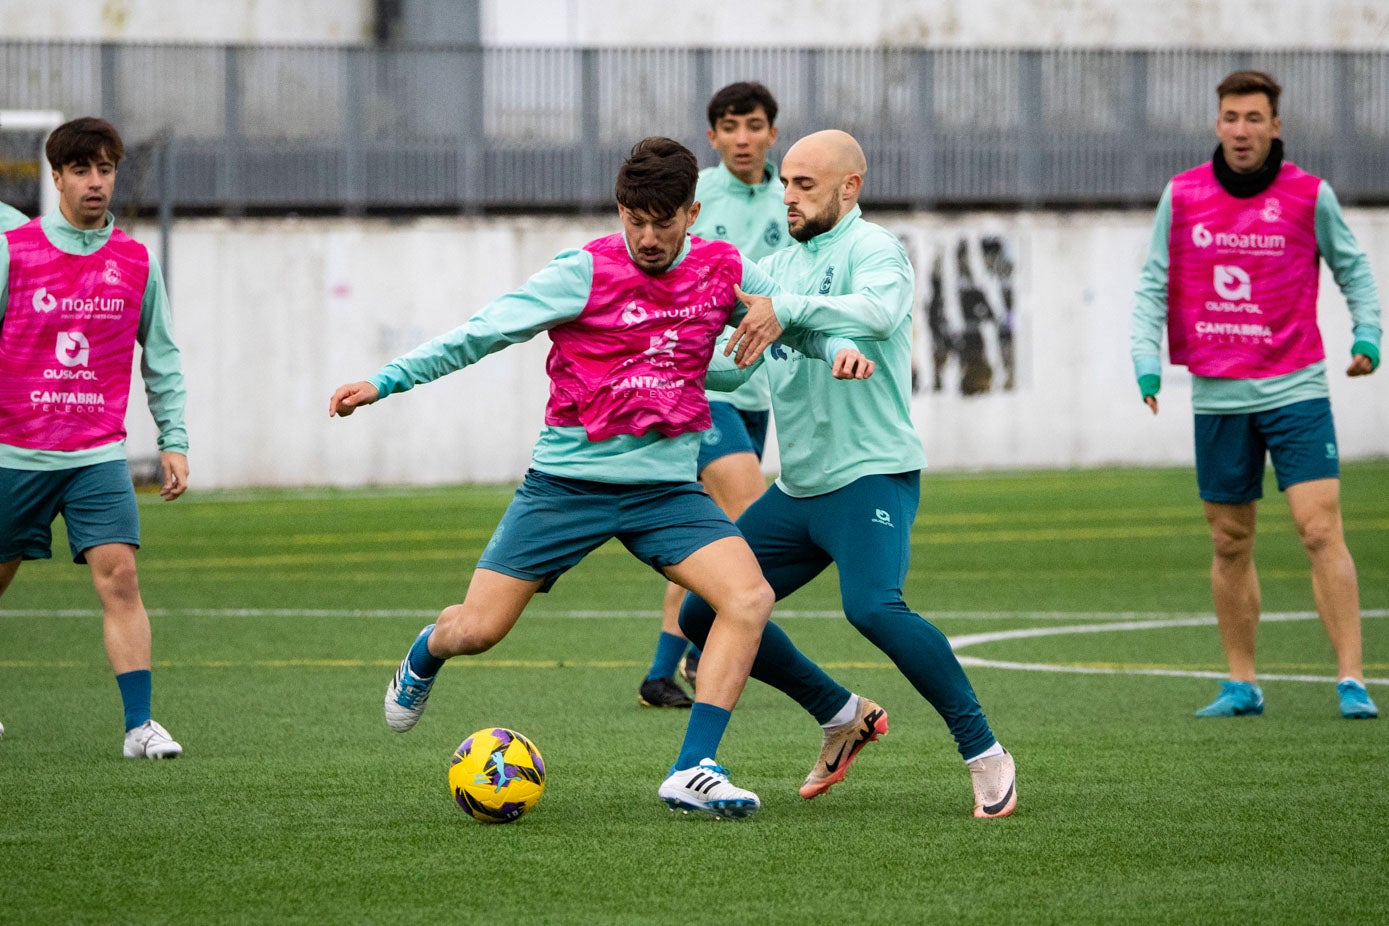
(345, 401)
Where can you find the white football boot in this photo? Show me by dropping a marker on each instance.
(706, 789)
(995, 783)
(151, 741)
(405, 698)
(407, 693)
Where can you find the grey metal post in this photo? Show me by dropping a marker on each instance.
(230, 174)
(354, 63)
(921, 133)
(589, 162)
(166, 209)
(1030, 130)
(472, 140)
(1140, 184)
(703, 83)
(811, 116)
(110, 98)
(1346, 143)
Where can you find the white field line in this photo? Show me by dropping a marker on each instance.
(1110, 622)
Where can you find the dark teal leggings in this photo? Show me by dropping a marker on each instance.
(865, 529)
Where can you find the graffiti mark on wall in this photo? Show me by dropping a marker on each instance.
(965, 317)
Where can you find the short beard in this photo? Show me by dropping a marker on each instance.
(812, 228)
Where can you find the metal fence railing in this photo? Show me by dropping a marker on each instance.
(259, 128)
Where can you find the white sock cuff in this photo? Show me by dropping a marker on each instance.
(995, 750)
(845, 714)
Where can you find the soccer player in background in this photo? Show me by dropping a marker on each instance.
(10, 217)
(850, 478)
(739, 202)
(76, 296)
(1232, 275)
(633, 319)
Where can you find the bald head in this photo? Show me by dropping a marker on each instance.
(837, 151)
(823, 175)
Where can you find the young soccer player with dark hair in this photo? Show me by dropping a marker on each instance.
(632, 318)
(76, 296)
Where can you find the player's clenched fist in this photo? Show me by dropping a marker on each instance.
(345, 401)
(850, 364)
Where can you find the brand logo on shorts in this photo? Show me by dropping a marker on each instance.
(1331, 451)
(712, 437)
(72, 349)
(882, 517)
(1232, 282)
(43, 302)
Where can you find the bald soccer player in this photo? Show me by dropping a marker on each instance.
(851, 465)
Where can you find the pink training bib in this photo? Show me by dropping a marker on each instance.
(1242, 286)
(635, 359)
(67, 340)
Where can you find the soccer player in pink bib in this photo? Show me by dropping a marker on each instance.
(632, 320)
(1232, 276)
(76, 296)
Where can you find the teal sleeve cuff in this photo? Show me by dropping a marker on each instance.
(385, 385)
(1369, 350)
(1149, 384)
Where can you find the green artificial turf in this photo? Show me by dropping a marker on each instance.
(279, 617)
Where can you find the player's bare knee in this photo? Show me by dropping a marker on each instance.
(457, 633)
(117, 583)
(751, 604)
(1320, 536)
(1232, 543)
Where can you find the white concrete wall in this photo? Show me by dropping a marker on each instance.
(272, 315)
(298, 22)
(1303, 24)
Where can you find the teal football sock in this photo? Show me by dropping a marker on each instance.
(702, 735)
(135, 696)
(422, 662)
(669, 649)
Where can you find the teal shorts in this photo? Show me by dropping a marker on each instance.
(1231, 449)
(97, 503)
(734, 431)
(553, 522)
